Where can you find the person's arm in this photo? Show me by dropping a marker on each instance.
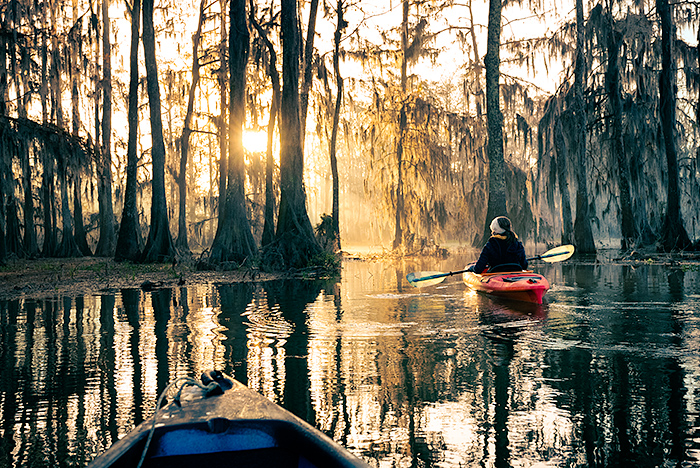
(523, 257)
(483, 261)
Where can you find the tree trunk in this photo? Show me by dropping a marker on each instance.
(612, 84)
(478, 92)
(56, 83)
(234, 239)
(97, 95)
(159, 245)
(181, 242)
(335, 226)
(674, 235)
(68, 246)
(23, 246)
(268, 235)
(74, 59)
(79, 227)
(4, 89)
(13, 237)
(583, 234)
(222, 122)
(6, 156)
(3, 228)
(106, 243)
(562, 152)
(295, 244)
(79, 238)
(31, 246)
(52, 96)
(398, 220)
(128, 241)
(44, 87)
(308, 61)
(48, 195)
(496, 205)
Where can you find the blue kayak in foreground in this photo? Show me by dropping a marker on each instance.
(221, 422)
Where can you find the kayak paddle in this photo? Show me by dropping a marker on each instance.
(430, 278)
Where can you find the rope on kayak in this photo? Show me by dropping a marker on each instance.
(209, 389)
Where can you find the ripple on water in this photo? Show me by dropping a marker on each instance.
(398, 295)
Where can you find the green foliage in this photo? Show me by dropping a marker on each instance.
(325, 232)
(325, 264)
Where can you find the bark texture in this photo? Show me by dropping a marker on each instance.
(234, 240)
(583, 235)
(674, 235)
(497, 182)
(335, 215)
(106, 244)
(398, 220)
(295, 244)
(128, 246)
(181, 243)
(268, 235)
(159, 245)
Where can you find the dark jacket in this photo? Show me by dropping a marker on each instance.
(498, 251)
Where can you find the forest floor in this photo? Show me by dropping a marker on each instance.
(46, 277)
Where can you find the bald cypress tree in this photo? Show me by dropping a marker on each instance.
(106, 243)
(128, 240)
(583, 235)
(159, 246)
(496, 205)
(234, 239)
(295, 243)
(674, 235)
(181, 243)
(268, 235)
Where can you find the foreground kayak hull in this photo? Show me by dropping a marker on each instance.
(523, 286)
(238, 427)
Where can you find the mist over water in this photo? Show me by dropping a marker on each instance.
(606, 372)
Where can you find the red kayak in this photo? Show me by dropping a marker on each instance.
(517, 285)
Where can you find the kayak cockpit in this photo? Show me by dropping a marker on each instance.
(220, 442)
(221, 422)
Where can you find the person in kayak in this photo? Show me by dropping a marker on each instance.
(503, 247)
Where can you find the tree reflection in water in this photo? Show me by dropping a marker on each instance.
(603, 374)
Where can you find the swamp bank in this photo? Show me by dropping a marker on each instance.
(45, 277)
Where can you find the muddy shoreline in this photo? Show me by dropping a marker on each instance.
(44, 277)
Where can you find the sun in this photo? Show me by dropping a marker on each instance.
(255, 141)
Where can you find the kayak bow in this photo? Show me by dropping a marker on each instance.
(221, 422)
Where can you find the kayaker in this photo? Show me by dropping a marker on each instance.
(502, 247)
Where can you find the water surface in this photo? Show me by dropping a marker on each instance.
(605, 373)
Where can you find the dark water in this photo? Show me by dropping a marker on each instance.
(606, 373)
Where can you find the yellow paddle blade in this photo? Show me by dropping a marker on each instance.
(557, 254)
(421, 279)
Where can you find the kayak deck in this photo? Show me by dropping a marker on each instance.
(523, 285)
(236, 427)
